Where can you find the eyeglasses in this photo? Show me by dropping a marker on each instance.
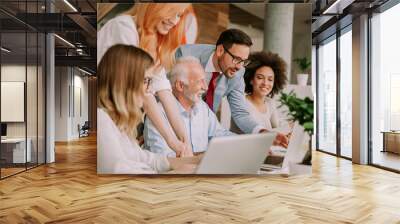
(147, 82)
(237, 60)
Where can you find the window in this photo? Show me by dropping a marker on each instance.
(346, 93)
(327, 96)
(385, 84)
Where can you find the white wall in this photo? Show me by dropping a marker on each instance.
(14, 73)
(79, 117)
(301, 46)
(12, 101)
(70, 83)
(33, 126)
(62, 81)
(17, 73)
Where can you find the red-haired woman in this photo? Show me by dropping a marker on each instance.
(159, 29)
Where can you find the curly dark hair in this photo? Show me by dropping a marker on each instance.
(275, 62)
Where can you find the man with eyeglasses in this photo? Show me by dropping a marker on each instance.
(224, 66)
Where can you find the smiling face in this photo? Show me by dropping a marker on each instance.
(170, 19)
(263, 81)
(196, 84)
(226, 58)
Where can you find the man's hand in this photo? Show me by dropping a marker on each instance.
(181, 149)
(188, 152)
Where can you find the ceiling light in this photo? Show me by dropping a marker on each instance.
(328, 10)
(70, 5)
(65, 41)
(5, 50)
(84, 71)
(337, 7)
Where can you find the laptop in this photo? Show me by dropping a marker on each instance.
(294, 153)
(239, 154)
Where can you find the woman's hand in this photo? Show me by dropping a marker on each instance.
(184, 165)
(281, 140)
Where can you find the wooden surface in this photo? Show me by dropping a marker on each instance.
(103, 9)
(7, 171)
(70, 191)
(212, 20)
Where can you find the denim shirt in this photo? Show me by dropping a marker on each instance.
(232, 88)
(201, 126)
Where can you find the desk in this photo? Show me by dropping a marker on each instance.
(15, 148)
(391, 141)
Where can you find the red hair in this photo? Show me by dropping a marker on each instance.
(148, 15)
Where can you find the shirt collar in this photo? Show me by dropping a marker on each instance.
(182, 110)
(210, 66)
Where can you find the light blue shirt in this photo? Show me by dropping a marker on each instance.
(232, 89)
(201, 126)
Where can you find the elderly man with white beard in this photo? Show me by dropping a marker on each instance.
(188, 86)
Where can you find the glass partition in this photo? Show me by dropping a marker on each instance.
(41, 111)
(327, 96)
(385, 88)
(22, 64)
(346, 93)
(14, 145)
(31, 99)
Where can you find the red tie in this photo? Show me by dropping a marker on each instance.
(211, 88)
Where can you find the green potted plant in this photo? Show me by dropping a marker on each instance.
(304, 65)
(302, 111)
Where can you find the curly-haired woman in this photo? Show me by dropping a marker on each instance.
(265, 76)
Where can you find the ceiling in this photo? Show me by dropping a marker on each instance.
(252, 8)
(75, 23)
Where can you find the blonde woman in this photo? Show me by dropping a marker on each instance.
(158, 28)
(124, 75)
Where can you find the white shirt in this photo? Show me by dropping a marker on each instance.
(122, 30)
(210, 68)
(118, 154)
(201, 126)
(269, 119)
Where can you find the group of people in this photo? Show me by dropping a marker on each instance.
(146, 73)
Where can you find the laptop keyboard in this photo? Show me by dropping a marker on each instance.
(274, 160)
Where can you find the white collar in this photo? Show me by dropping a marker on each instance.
(194, 109)
(210, 66)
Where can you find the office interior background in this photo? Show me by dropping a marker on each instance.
(357, 82)
(48, 77)
(48, 83)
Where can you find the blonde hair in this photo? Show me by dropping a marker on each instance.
(148, 15)
(120, 86)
